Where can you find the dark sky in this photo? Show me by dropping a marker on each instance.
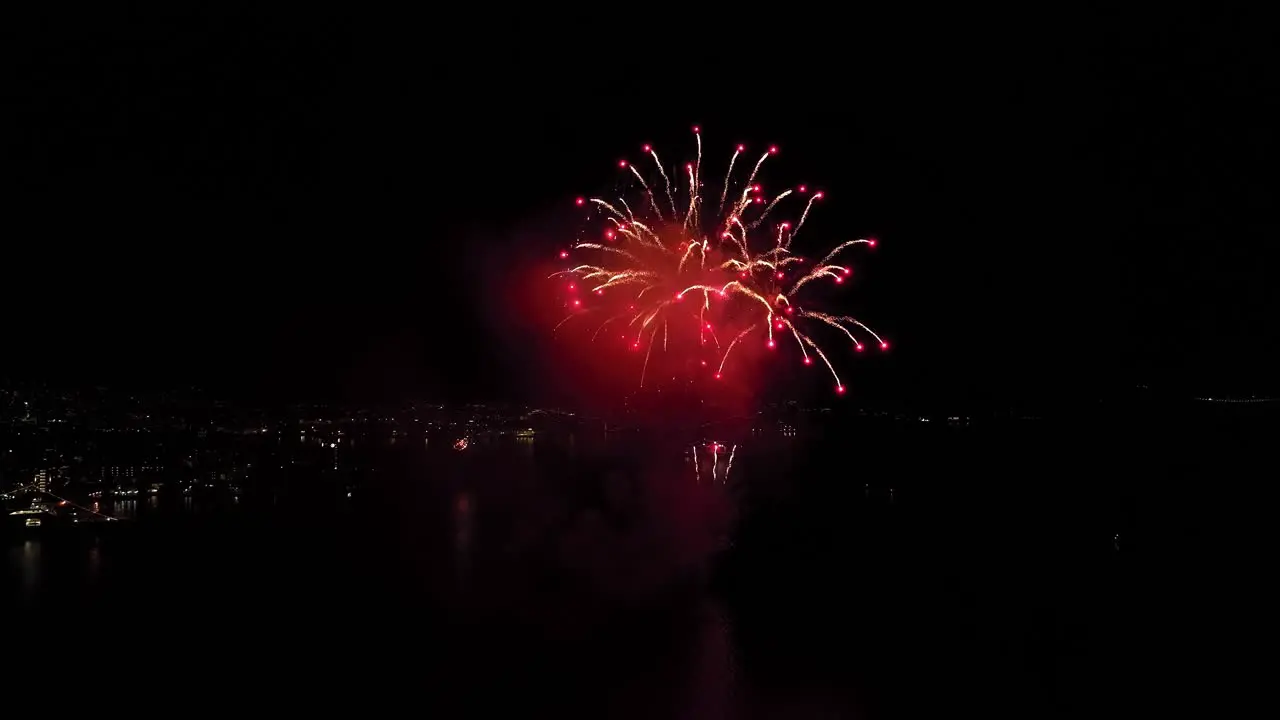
(332, 206)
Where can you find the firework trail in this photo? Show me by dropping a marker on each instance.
(713, 449)
(697, 275)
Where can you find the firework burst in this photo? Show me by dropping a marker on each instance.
(696, 269)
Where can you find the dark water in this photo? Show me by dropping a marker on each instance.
(876, 570)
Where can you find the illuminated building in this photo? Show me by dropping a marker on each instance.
(118, 473)
(41, 480)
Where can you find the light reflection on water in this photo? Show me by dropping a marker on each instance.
(95, 563)
(463, 536)
(532, 497)
(30, 569)
(524, 445)
(711, 692)
(845, 568)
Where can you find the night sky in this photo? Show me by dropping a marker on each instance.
(335, 207)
